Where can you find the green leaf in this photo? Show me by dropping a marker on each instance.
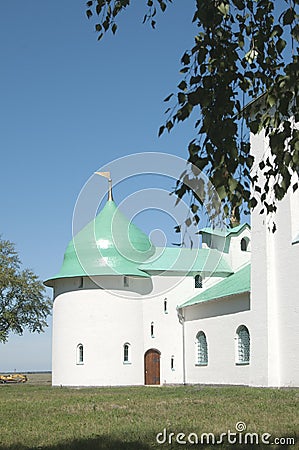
(188, 222)
(181, 98)
(280, 45)
(168, 98)
(169, 125)
(185, 59)
(161, 130)
(224, 8)
(194, 208)
(288, 16)
(182, 85)
(295, 32)
(221, 191)
(271, 100)
(162, 5)
(232, 183)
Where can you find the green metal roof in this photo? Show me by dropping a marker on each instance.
(225, 233)
(188, 261)
(108, 245)
(237, 283)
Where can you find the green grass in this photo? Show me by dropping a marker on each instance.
(41, 417)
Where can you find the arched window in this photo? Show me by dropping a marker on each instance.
(202, 349)
(80, 354)
(152, 330)
(172, 362)
(127, 353)
(165, 306)
(243, 345)
(198, 281)
(244, 244)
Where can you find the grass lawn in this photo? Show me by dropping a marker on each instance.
(36, 416)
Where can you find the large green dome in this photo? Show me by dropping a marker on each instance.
(108, 245)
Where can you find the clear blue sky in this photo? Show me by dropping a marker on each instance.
(70, 105)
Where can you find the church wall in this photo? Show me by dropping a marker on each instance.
(168, 331)
(219, 321)
(167, 337)
(237, 257)
(263, 292)
(275, 290)
(287, 282)
(102, 322)
(220, 307)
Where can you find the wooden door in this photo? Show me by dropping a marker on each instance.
(152, 367)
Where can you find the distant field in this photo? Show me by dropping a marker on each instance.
(40, 378)
(35, 415)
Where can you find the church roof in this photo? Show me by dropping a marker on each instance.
(237, 283)
(108, 245)
(188, 261)
(225, 233)
(112, 245)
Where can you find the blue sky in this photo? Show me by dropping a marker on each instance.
(70, 105)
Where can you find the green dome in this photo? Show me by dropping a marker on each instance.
(108, 245)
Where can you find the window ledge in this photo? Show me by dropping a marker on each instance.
(245, 363)
(201, 364)
(80, 363)
(126, 363)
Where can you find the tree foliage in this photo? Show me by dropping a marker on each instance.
(23, 303)
(243, 50)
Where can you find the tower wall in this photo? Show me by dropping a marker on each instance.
(275, 290)
(102, 321)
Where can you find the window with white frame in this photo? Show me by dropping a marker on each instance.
(198, 281)
(172, 362)
(165, 306)
(127, 353)
(80, 354)
(201, 349)
(243, 345)
(245, 244)
(152, 330)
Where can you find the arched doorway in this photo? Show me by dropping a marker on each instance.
(152, 366)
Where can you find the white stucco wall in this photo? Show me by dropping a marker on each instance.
(104, 316)
(219, 321)
(103, 322)
(237, 257)
(275, 290)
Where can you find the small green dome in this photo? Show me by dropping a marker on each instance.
(108, 245)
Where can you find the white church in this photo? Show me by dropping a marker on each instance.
(128, 313)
